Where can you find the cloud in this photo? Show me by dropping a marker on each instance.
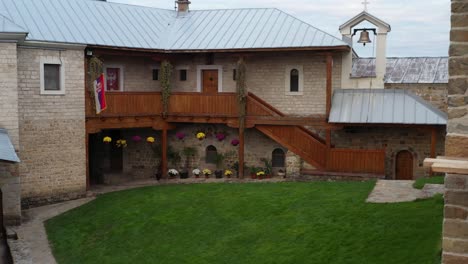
(419, 27)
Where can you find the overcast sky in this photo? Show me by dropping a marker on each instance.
(419, 27)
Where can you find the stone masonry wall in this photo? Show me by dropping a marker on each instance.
(52, 129)
(455, 231)
(266, 76)
(394, 140)
(9, 179)
(433, 93)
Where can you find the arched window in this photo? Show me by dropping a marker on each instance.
(294, 80)
(210, 155)
(277, 158)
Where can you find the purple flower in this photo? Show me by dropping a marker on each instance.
(220, 136)
(235, 142)
(180, 135)
(136, 138)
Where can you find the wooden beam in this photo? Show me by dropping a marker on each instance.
(164, 153)
(450, 168)
(329, 83)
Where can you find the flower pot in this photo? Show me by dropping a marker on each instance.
(253, 176)
(197, 175)
(184, 175)
(207, 176)
(219, 174)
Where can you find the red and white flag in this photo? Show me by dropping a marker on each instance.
(100, 94)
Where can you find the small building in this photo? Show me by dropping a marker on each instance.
(260, 85)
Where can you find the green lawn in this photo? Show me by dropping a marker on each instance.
(319, 222)
(419, 183)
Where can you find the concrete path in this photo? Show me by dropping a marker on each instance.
(32, 246)
(391, 191)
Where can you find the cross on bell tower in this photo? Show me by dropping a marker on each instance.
(365, 3)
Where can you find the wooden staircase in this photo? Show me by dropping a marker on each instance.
(309, 146)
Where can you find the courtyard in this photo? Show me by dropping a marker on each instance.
(283, 222)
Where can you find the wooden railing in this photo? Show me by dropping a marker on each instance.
(356, 161)
(149, 103)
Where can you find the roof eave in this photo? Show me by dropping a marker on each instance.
(13, 36)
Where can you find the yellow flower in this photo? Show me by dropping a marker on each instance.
(260, 173)
(107, 139)
(150, 139)
(228, 173)
(206, 172)
(201, 135)
(121, 143)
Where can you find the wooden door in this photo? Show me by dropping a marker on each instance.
(210, 81)
(404, 165)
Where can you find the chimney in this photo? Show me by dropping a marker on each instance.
(182, 6)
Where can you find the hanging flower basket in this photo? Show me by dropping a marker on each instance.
(107, 140)
(180, 135)
(136, 138)
(220, 136)
(150, 140)
(201, 135)
(121, 143)
(235, 142)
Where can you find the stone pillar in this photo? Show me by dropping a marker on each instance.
(293, 165)
(9, 178)
(455, 230)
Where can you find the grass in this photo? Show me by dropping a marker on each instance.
(419, 183)
(319, 222)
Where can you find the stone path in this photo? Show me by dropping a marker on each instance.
(391, 191)
(32, 246)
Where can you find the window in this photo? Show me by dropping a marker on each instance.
(210, 156)
(183, 75)
(52, 76)
(155, 74)
(114, 77)
(277, 158)
(234, 75)
(294, 81)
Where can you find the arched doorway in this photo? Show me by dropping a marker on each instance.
(404, 165)
(277, 158)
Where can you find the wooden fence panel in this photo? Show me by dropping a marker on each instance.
(356, 161)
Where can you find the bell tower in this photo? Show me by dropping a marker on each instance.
(381, 30)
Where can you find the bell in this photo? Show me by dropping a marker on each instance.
(364, 38)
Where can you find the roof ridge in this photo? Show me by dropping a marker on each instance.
(126, 4)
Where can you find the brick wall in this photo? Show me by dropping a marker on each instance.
(455, 245)
(394, 140)
(265, 77)
(9, 180)
(52, 129)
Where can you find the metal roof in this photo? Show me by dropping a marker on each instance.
(405, 70)
(383, 106)
(111, 24)
(7, 151)
(6, 25)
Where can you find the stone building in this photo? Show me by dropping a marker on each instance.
(297, 79)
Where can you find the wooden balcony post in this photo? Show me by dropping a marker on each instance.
(164, 152)
(329, 83)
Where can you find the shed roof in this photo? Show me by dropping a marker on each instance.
(405, 69)
(7, 151)
(383, 106)
(103, 23)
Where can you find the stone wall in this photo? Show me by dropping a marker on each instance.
(9, 180)
(52, 129)
(394, 140)
(455, 233)
(266, 77)
(433, 93)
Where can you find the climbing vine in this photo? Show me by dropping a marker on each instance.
(166, 73)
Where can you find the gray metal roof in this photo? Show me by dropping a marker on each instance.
(7, 151)
(405, 70)
(6, 25)
(120, 25)
(383, 106)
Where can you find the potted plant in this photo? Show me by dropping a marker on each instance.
(196, 173)
(173, 173)
(219, 165)
(268, 167)
(228, 173)
(189, 153)
(253, 172)
(260, 174)
(207, 173)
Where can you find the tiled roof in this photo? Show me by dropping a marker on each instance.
(111, 24)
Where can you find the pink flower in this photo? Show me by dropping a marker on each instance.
(136, 138)
(220, 136)
(235, 142)
(180, 135)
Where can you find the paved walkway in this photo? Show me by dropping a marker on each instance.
(391, 191)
